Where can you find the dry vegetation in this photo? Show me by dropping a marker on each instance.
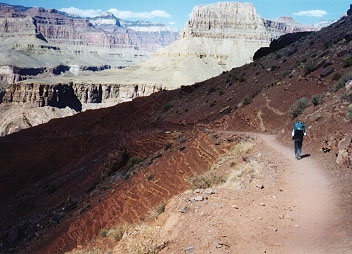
(209, 179)
(141, 239)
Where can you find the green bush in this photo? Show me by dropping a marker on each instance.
(133, 161)
(247, 100)
(159, 209)
(167, 106)
(213, 103)
(338, 86)
(211, 90)
(336, 76)
(278, 56)
(349, 112)
(316, 99)
(309, 68)
(103, 233)
(347, 61)
(298, 107)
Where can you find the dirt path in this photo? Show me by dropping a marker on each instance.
(289, 206)
(316, 203)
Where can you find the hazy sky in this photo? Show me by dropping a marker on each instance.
(176, 12)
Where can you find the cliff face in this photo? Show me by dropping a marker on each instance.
(60, 28)
(225, 20)
(74, 95)
(30, 104)
(35, 38)
(285, 25)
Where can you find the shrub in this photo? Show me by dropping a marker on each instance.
(349, 112)
(274, 67)
(206, 180)
(167, 106)
(338, 86)
(211, 90)
(347, 61)
(247, 100)
(142, 240)
(116, 233)
(309, 68)
(149, 177)
(316, 99)
(213, 103)
(133, 161)
(278, 56)
(242, 79)
(257, 92)
(159, 209)
(336, 76)
(298, 107)
(103, 233)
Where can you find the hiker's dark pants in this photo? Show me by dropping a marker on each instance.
(298, 147)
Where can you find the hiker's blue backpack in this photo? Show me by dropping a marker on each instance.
(299, 129)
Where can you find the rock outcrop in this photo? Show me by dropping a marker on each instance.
(285, 25)
(225, 20)
(73, 95)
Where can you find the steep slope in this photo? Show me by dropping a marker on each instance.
(167, 130)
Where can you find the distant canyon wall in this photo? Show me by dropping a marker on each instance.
(40, 38)
(74, 95)
(216, 38)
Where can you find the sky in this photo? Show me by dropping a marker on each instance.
(175, 13)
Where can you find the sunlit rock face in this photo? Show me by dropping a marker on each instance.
(216, 38)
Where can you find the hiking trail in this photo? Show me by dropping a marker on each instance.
(293, 209)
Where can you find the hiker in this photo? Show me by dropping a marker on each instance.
(299, 131)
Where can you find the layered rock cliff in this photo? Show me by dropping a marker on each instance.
(39, 38)
(285, 25)
(225, 20)
(217, 38)
(74, 95)
(27, 104)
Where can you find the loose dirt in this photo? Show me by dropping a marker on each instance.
(288, 206)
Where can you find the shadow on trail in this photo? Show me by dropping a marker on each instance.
(305, 156)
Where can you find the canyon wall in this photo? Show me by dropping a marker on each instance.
(40, 38)
(216, 38)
